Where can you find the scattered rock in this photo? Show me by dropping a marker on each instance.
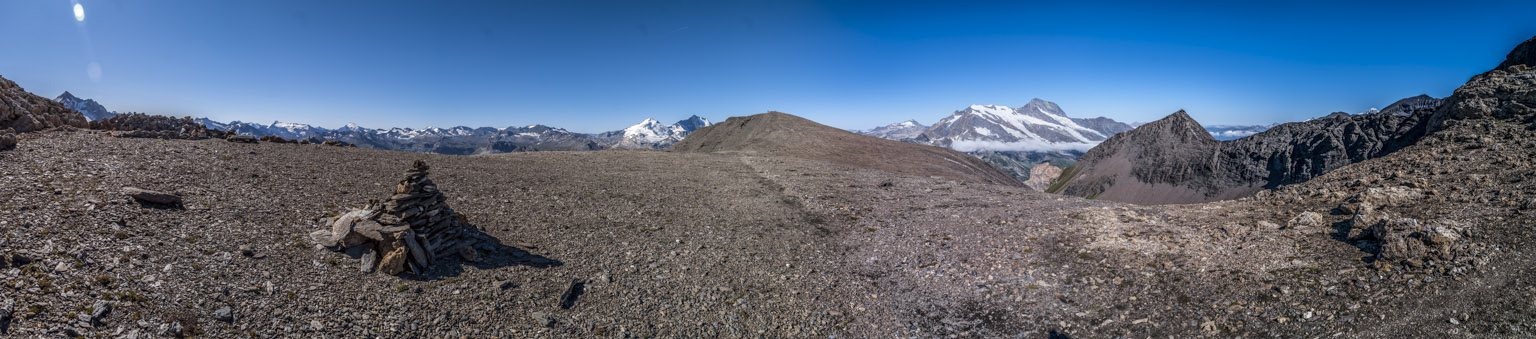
(224, 314)
(140, 125)
(1040, 176)
(370, 259)
(241, 139)
(145, 195)
(393, 262)
(7, 141)
(67, 332)
(1265, 224)
(172, 329)
(1414, 243)
(543, 319)
(99, 312)
(469, 254)
(1307, 219)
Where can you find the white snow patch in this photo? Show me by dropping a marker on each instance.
(1026, 145)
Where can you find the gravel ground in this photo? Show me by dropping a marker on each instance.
(666, 244)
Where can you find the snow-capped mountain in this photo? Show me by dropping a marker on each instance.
(693, 123)
(1234, 132)
(92, 110)
(651, 134)
(210, 124)
(285, 130)
(1039, 126)
(897, 131)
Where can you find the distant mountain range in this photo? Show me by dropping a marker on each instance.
(1234, 132)
(648, 134)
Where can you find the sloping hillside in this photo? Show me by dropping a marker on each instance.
(781, 134)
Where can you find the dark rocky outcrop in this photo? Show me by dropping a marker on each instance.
(1174, 160)
(1171, 161)
(1523, 54)
(781, 134)
(22, 112)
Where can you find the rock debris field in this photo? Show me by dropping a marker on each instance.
(296, 240)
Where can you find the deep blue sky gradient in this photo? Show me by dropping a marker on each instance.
(594, 66)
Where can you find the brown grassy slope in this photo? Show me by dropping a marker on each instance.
(781, 134)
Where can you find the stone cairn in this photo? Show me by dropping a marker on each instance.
(412, 230)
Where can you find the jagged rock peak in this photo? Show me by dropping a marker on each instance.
(1179, 124)
(1524, 54)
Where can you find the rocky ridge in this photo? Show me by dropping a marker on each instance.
(1162, 162)
(22, 112)
(1174, 160)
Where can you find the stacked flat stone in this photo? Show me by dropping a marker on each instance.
(418, 203)
(412, 230)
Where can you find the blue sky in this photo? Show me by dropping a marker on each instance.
(593, 66)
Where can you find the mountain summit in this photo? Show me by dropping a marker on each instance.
(651, 134)
(1039, 126)
(92, 110)
(898, 131)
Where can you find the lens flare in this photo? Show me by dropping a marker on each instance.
(93, 70)
(79, 13)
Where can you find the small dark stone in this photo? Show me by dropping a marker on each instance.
(6, 309)
(101, 310)
(569, 298)
(20, 260)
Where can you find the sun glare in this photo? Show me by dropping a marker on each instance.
(79, 13)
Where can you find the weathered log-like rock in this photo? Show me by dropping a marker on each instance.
(152, 196)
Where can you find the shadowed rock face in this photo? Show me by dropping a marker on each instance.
(1524, 54)
(781, 134)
